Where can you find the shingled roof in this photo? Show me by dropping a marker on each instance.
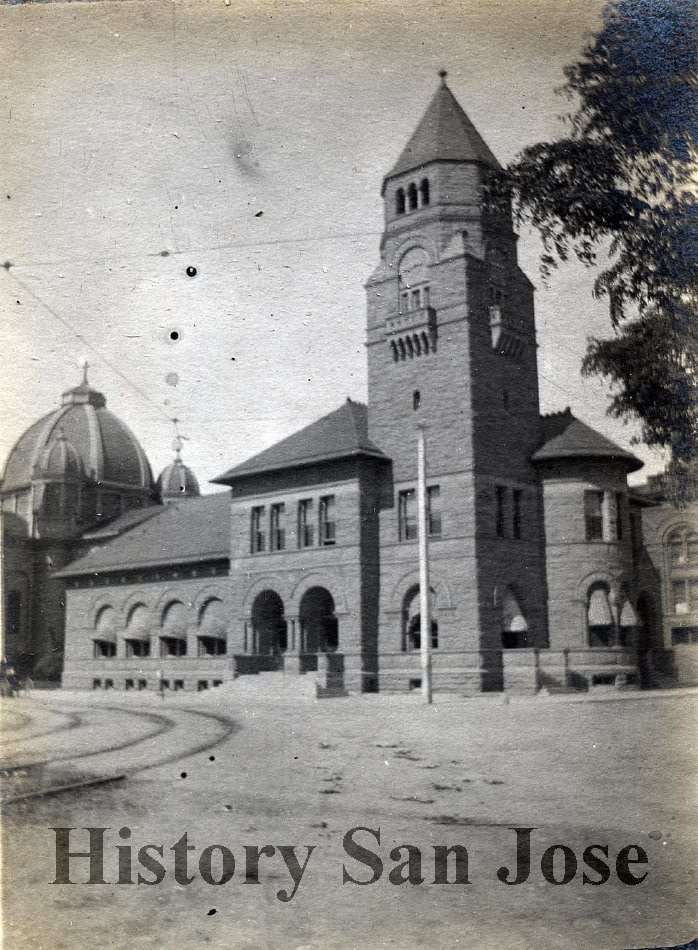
(565, 437)
(197, 529)
(124, 522)
(340, 434)
(444, 134)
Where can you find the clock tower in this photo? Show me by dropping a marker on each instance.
(451, 346)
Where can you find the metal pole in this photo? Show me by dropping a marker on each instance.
(422, 534)
(2, 585)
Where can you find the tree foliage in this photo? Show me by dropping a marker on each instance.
(619, 190)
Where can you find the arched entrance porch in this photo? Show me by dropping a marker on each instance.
(268, 623)
(318, 622)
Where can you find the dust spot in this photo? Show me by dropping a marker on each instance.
(172, 379)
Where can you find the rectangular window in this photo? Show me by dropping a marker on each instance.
(593, 515)
(693, 594)
(257, 530)
(407, 515)
(172, 646)
(425, 297)
(137, 648)
(434, 511)
(619, 515)
(277, 527)
(499, 503)
(676, 550)
(679, 597)
(104, 649)
(305, 523)
(326, 522)
(516, 496)
(211, 646)
(404, 302)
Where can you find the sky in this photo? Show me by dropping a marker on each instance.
(247, 139)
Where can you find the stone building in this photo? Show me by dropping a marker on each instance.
(538, 572)
(76, 468)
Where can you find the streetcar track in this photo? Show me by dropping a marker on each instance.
(229, 726)
(23, 718)
(74, 720)
(166, 725)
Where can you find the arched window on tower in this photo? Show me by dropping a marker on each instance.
(681, 559)
(412, 199)
(411, 620)
(400, 201)
(424, 192)
(600, 626)
(512, 621)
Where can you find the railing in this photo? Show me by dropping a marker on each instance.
(424, 318)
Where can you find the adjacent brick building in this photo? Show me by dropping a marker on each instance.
(538, 574)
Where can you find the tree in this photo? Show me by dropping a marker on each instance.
(619, 190)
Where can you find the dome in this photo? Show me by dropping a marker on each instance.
(84, 432)
(177, 481)
(59, 461)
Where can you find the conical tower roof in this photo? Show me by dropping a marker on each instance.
(444, 134)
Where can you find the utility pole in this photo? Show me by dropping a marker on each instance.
(3, 593)
(422, 535)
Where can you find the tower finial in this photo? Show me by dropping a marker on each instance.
(443, 73)
(85, 367)
(177, 441)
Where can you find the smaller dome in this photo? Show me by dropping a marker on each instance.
(177, 481)
(59, 461)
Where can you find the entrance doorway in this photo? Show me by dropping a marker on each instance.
(319, 628)
(269, 623)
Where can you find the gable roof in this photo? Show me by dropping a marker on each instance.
(444, 134)
(565, 437)
(340, 434)
(122, 523)
(197, 529)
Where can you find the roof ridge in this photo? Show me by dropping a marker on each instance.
(340, 433)
(354, 421)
